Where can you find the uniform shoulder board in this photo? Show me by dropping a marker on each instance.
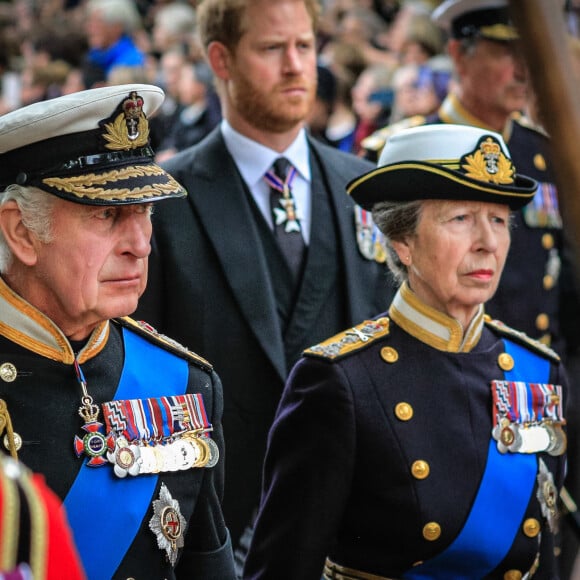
(522, 338)
(151, 334)
(351, 340)
(376, 141)
(526, 122)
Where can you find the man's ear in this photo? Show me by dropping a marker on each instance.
(20, 240)
(219, 59)
(457, 54)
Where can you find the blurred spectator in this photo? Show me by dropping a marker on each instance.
(409, 19)
(173, 27)
(42, 82)
(127, 75)
(110, 25)
(422, 39)
(169, 70)
(341, 56)
(419, 90)
(74, 82)
(363, 27)
(372, 101)
(324, 103)
(60, 40)
(341, 126)
(197, 114)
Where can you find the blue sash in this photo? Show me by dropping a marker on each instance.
(105, 512)
(502, 498)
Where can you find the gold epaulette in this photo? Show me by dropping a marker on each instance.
(522, 338)
(350, 340)
(526, 122)
(151, 334)
(376, 141)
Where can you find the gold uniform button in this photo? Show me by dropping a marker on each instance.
(420, 469)
(513, 575)
(432, 531)
(531, 527)
(542, 321)
(389, 354)
(547, 241)
(539, 162)
(505, 361)
(8, 372)
(548, 282)
(403, 411)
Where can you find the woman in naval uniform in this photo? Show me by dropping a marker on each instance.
(427, 442)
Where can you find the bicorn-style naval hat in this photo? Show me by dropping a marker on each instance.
(90, 147)
(489, 19)
(444, 161)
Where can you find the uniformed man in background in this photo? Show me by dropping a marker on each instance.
(490, 90)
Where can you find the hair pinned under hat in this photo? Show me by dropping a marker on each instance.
(444, 162)
(489, 19)
(89, 147)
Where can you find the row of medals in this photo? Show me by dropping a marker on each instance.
(530, 438)
(184, 451)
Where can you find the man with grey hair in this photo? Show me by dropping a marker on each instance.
(124, 423)
(110, 26)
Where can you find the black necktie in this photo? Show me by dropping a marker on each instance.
(287, 229)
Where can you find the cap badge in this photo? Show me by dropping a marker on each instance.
(129, 128)
(488, 163)
(168, 524)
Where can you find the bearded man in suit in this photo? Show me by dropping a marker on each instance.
(220, 280)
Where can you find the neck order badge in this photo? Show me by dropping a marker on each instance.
(286, 216)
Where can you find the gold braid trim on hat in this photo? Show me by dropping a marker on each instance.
(499, 32)
(84, 186)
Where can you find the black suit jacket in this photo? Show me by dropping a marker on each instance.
(211, 289)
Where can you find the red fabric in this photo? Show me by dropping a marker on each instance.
(62, 557)
(363, 130)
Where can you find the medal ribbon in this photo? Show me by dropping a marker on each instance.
(283, 186)
(103, 535)
(495, 518)
(155, 419)
(527, 403)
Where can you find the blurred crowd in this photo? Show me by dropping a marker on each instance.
(379, 62)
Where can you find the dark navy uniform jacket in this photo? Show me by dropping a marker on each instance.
(39, 385)
(378, 450)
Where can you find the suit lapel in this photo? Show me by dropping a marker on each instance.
(222, 205)
(322, 263)
(355, 270)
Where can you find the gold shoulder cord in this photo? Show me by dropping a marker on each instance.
(6, 425)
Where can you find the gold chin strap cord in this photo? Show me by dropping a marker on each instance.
(6, 426)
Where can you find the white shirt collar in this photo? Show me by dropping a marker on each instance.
(254, 159)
